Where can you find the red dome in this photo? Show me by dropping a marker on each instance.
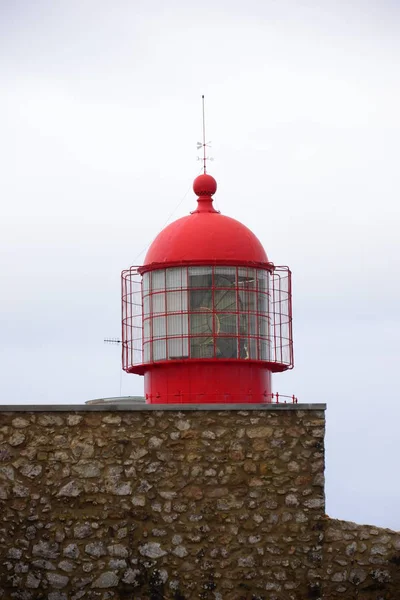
(206, 235)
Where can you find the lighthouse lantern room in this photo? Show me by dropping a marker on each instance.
(207, 318)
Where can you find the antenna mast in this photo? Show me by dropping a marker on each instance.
(204, 144)
(204, 137)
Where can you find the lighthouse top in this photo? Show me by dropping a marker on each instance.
(205, 236)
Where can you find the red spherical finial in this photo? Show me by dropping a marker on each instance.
(204, 185)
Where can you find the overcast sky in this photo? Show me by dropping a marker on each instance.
(100, 112)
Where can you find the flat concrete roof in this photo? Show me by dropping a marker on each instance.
(125, 407)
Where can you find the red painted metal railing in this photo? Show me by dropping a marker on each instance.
(274, 398)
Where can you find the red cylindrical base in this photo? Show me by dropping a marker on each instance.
(211, 383)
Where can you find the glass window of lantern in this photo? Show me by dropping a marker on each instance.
(177, 302)
(200, 277)
(158, 308)
(201, 347)
(158, 303)
(206, 312)
(224, 277)
(247, 285)
(264, 340)
(177, 325)
(263, 290)
(146, 329)
(226, 347)
(176, 279)
(252, 339)
(264, 350)
(146, 306)
(201, 325)
(226, 312)
(201, 302)
(177, 330)
(159, 329)
(177, 347)
(159, 349)
(146, 283)
(159, 338)
(158, 280)
(248, 328)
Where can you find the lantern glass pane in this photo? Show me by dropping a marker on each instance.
(200, 277)
(157, 280)
(147, 352)
(159, 329)
(226, 347)
(158, 303)
(224, 277)
(176, 301)
(146, 283)
(264, 350)
(176, 279)
(177, 348)
(226, 323)
(177, 325)
(225, 300)
(146, 329)
(159, 349)
(146, 306)
(201, 300)
(201, 347)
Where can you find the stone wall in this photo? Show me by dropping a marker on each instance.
(223, 503)
(360, 562)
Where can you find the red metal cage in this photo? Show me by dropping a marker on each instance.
(207, 313)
